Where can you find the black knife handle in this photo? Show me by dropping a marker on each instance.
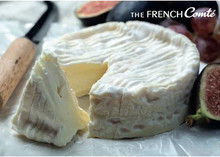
(39, 30)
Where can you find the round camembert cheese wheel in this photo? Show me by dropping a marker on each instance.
(138, 76)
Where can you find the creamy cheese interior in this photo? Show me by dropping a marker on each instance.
(83, 75)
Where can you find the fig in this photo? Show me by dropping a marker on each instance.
(203, 25)
(123, 11)
(206, 95)
(94, 12)
(208, 47)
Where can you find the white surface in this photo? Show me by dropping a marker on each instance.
(181, 141)
(31, 11)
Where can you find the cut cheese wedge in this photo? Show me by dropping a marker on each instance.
(49, 110)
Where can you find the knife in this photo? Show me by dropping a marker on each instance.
(15, 61)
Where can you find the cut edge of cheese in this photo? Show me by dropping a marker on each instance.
(49, 110)
(81, 83)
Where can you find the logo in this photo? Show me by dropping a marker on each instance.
(188, 13)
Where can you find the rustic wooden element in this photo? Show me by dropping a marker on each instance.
(13, 64)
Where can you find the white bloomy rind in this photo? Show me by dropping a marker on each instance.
(49, 110)
(146, 87)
